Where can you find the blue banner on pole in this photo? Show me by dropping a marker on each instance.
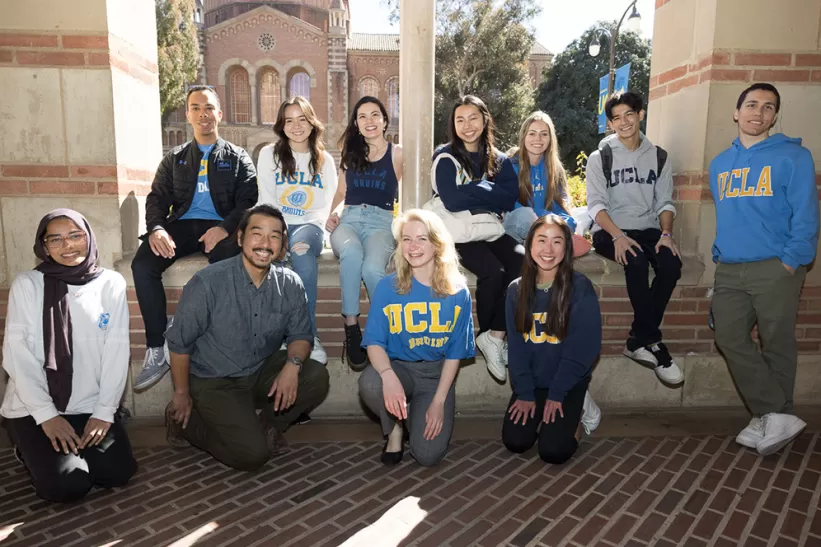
(620, 85)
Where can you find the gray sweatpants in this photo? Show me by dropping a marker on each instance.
(419, 380)
(767, 294)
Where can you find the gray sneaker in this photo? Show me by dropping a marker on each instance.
(155, 365)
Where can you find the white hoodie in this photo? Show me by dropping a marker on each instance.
(303, 199)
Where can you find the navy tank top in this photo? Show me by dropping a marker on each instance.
(376, 185)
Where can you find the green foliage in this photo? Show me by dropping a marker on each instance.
(482, 49)
(177, 51)
(577, 183)
(569, 90)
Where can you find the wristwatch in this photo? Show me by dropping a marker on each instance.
(297, 361)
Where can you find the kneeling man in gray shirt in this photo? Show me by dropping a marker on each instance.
(225, 359)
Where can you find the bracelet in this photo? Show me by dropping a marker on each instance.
(384, 371)
(666, 234)
(619, 237)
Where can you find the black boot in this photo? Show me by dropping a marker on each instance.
(357, 357)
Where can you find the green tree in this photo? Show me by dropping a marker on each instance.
(177, 51)
(569, 91)
(482, 48)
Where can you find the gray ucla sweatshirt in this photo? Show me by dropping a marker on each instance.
(637, 194)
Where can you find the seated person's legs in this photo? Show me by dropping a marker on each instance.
(518, 222)
(305, 242)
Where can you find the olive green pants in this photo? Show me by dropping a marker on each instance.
(767, 294)
(224, 420)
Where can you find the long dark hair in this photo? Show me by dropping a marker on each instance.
(558, 310)
(283, 156)
(487, 141)
(355, 149)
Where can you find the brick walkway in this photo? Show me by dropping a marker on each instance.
(662, 491)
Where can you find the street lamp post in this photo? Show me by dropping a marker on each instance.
(633, 23)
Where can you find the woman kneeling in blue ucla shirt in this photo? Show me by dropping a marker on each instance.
(420, 326)
(554, 335)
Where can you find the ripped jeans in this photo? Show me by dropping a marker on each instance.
(305, 246)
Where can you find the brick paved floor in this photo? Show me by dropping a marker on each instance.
(661, 491)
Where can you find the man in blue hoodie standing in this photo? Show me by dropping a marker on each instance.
(630, 198)
(767, 223)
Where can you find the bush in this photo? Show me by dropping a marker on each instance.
(577, 184)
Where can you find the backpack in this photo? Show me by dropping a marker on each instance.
(607, 161)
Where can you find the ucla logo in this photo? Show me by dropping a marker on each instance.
(298, 199)
(103, 321)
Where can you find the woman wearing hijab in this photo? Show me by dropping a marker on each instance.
(66, 351)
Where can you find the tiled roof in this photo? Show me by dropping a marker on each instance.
(373, 42)
(390, 42)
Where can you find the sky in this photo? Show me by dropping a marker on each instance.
(560, 22)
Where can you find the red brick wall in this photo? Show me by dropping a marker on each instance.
(382, 66)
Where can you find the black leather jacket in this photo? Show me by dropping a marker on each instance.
(232, 181)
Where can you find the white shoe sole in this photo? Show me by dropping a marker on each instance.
(748, 441)
(779, 442)
(677, 381)
(498, 373)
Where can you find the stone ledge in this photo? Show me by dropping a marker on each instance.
(601, 271)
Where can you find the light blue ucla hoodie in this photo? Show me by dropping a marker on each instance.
(766, 202)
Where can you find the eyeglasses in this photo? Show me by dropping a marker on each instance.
(55, 242)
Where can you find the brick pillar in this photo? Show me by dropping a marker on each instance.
(337, 79)
(704, 55)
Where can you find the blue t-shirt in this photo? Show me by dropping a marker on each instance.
(202, 206)
(419, 325)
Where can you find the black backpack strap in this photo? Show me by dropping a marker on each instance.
(661, 159)
(606, 162)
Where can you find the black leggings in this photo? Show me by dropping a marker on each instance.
(557, 440)
(66, 477)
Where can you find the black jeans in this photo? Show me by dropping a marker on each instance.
(649, 300)
(148, 269)
(495, 264)
(557, 440)
(66, 477)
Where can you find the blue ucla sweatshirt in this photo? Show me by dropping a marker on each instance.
(539, 360)
(460, 192)
(538, 181)
(766, 202)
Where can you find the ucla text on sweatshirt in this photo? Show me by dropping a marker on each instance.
(539, 360)
(766, 202)
(460, 193)
(419, 325)
(539, 182)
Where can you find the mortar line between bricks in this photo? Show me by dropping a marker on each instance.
(524, 524)
(692, 489)
(612, 520)
(816, 493)
(745, 533)
(779, 521)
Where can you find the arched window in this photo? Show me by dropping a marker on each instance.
(240, 96)
(180, 138)
(269, 98)
(300, 84)
(170, 139)
(393, 99)
(368, 86)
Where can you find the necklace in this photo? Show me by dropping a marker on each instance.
(377, 152)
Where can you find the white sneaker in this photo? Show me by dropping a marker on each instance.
(318, 353)
(491, 348)
(779, 430)
(751, 435)
(667, 370)
(591, 414)
(642, 356)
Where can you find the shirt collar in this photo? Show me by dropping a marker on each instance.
(245, 279)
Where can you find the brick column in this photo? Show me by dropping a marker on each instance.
(704, 55)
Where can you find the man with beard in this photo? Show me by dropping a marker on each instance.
(224, 345)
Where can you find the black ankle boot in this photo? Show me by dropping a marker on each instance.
(357, 358)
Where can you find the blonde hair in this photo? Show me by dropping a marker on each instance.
(556, 175)
(448, 278)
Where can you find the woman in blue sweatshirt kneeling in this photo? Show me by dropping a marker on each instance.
(419, 328)
(554, 335)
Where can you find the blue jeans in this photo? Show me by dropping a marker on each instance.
(364, 243)
(518, 222)
(303, 262)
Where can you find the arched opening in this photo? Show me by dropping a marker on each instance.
(392, 88)
(299, 84)
(269, 96)
(239, 96)
(368, 87)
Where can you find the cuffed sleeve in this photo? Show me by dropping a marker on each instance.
(298, 322)
(663, 191)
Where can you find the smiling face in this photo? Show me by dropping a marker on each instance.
(204, 115)
(548, 248)
(296, 128)
(626, 121)
(537, 139)
(757, 113)
(370, 121)
(262, 241)
(469, 124)
(417, 248)
(65, 242)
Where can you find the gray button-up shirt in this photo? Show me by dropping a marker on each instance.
(229, 326)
